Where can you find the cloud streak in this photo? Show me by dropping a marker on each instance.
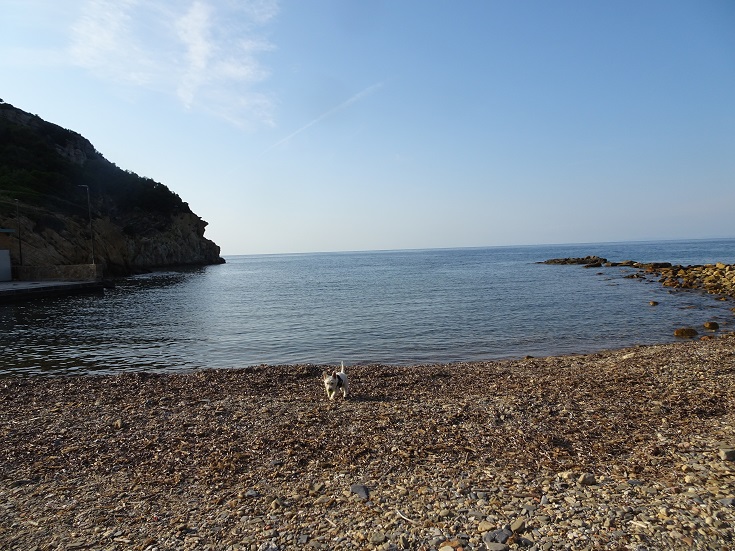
(344, 105)
(206, 54)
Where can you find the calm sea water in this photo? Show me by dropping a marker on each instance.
(401, 307)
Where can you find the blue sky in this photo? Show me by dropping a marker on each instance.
(328, 125)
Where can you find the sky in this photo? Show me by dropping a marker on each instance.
(343, 125)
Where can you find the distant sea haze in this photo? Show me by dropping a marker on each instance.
(394, 307)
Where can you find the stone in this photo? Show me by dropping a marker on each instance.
(685, 332)
(485, 526)
(728, 454)
(361, 490)
(587, 260)
(518, 525)
(653, 303)
(499, 536)
(587, 479)
(711, 325)
(495, 546)
(376, 538)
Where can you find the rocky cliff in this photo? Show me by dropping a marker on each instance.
(45, 173)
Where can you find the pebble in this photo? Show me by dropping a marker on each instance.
(418, 466)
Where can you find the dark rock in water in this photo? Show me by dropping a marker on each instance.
(653, 303)
(591, 261)
(711, 325)
(685, 332)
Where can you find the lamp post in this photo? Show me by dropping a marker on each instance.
(89, 212)
(20, 242)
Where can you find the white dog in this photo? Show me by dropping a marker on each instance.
(336, 381)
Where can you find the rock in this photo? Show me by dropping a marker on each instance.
(653, 303)
(685, 332)
(587, 479)
(588, 261)
(518, 525)
(361, 490)
(376, 538)
(727, 454)
(711, 325)
(727, 502)
(499, 536)
(485, 526)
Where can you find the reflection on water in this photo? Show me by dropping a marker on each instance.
(404, 307)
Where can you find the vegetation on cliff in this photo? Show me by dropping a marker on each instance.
(139, 223)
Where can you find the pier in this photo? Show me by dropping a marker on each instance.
(17, 291)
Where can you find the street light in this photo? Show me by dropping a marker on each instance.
(89, 211)
(20, 243)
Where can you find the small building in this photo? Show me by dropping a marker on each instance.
(6, 272)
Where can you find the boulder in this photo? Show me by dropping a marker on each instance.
(597, 261)
(685, 332)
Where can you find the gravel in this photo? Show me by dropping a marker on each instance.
(622, 449)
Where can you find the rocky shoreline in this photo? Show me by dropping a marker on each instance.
(622, 449)
(716, 279)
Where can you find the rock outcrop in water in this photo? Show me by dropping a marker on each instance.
(138, 224)
(715, 279)
(591, 261)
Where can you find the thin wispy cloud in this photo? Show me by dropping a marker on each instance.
(344, 105)
(208, 54)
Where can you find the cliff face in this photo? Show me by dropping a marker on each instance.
(138, 224)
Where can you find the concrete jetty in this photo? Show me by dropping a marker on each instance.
(16, 291)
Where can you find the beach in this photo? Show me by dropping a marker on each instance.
(621, 449)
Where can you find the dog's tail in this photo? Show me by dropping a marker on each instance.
(343, 368)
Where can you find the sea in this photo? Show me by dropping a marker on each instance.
(407, 307)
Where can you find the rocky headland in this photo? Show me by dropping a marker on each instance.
(138, 224)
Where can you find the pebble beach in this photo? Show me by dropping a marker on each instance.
(621, 449)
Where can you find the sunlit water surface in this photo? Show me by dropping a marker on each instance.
(402, 307)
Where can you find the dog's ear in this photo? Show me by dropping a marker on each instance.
(334, 374)
(325, 374)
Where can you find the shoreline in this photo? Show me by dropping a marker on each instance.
(619, 449)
